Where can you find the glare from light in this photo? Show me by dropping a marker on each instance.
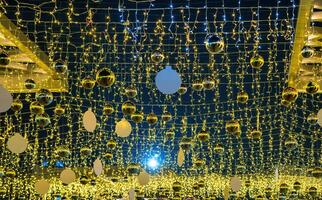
(153, 163)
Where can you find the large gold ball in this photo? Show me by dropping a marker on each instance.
(37, 108)
(233, 127)
(214, 43)
(242, 97)
(128, 108)
(88, 83)
(42, 120)
(157, 56)
(312, 87)
(186, 143)
(131, 92)
(152, 118)
(218, 149)
(257, 61)
(108, 109)
(111, 144)
(290, 94)
(44, 96)
(209, 83)
(170, 135)
(105, 77)
(203, 136)
(60, 67)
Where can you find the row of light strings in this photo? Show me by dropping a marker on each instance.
(233, 114)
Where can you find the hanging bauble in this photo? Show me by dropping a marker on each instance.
(268, 192)
(317, 172)
(209, 83)
(11, 173)
(128, 108)
(111, 144)
(152, 118)
(17, 143)
(85, 151)
(186, 143)
(60, 67)
(199, 163)
(143, 178)
(44, 96)
(105, 77)
(170, 135)
(320, 117)
(59, 110)
(290, 94)
(233, 126)
(257, 61)
(312, 118)
(312, 87)
(256, 134)
(218, 149)
(176, 186)
(313, 191)
(16, 105)
(242, 97)
(67, 176)
(133, 169)
(168, 81)
(123, 128)
(137, 117)
(89, 121)
(203, 135)
(42, 120)
(4, 59)
(131, 92)
(157, 56)
(307, 52)
(108, 155)
(30, 84)
(283, 189)
(36, 108)
(98, 167)
(197, 85)
(235, 183)
(62, 152)
(6, 100)
(182, 90)
(214, 43)
(297, 185)
(108, 109)
(42, 186)
(88, 83)
(285, 103)
(290, 143)
(166, 116)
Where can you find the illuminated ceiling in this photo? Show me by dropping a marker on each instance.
(234, 114)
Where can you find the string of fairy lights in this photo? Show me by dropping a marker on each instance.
(233, 114)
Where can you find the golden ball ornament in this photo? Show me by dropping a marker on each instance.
(313, 191)
(60, 67)
(59, 110)
(128, 108)
(242, 97)
(105, 77)
(10, 173)
(152, 118)
(257, 61)
(297, 185)
(123, 128)
(42, 120)
(199, 163)
(62, 152)
(108, 155)
(284, 188)
(169, 135)
(30, 84)
(312, 87)
(197, 85)
(307, 52)
(16, 105)
(209, 83)
(214, 43)
(290, 94)
(176, 186)
(111, 144)
(256, 134)
(108, 109)
(85, 151)
(268, 192)
(312, 118)
(186, 143)
(131, 92)
(137, 117)
(36, 108)
(233, 126)
(4, 58)
(166, 116)
(290, 143)
(317, 172)
(203, 136)
(88, 83)
(44, 96)
(182, 90)
(157, 56)
(133, 169)
(218, 149)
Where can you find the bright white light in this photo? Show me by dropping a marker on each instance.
(153, 163)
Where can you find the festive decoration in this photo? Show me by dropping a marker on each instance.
(105, 77)
(89, 120)
(67, 176)
(17, 143)
(214, 44)
(307, 52)
(6, 100)
(44, 97)
(123, 128)
(168, 81)
(30, 84)
(42, 186)
(157, 56)
(257, 61)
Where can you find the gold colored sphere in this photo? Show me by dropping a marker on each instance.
(59, 110)
(111, 144)
(297, 185)
(312, 118)
(290, 94)
(170, 135)
(108, 155)
(214, 43)
(108, 109)
(176, 186)
(42, 120)
(152, 118)
(257, 61)
(62, 152)
(256, 134)
(218, 149)
(182, 90)
(157, 56)
(233, 126)
(128, 108)
(209, 83)
(291, 143)
(30, 84)
(88, 83)
(134, 169)
(44, 97)
(197, 85)
(137, 117)
(312, 87)
(16, 105)
(203, 136)
(199, 163)
(131, 92)
(4, 58)
(10, 173)
(60, 67)
(105, 77)
(285, 103)
(85, 151)
(307, 52)
(166, 116)
(242, 97)
(186, 143)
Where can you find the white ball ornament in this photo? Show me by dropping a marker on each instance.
(123, 128)
(168, 80)
(5, 100)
